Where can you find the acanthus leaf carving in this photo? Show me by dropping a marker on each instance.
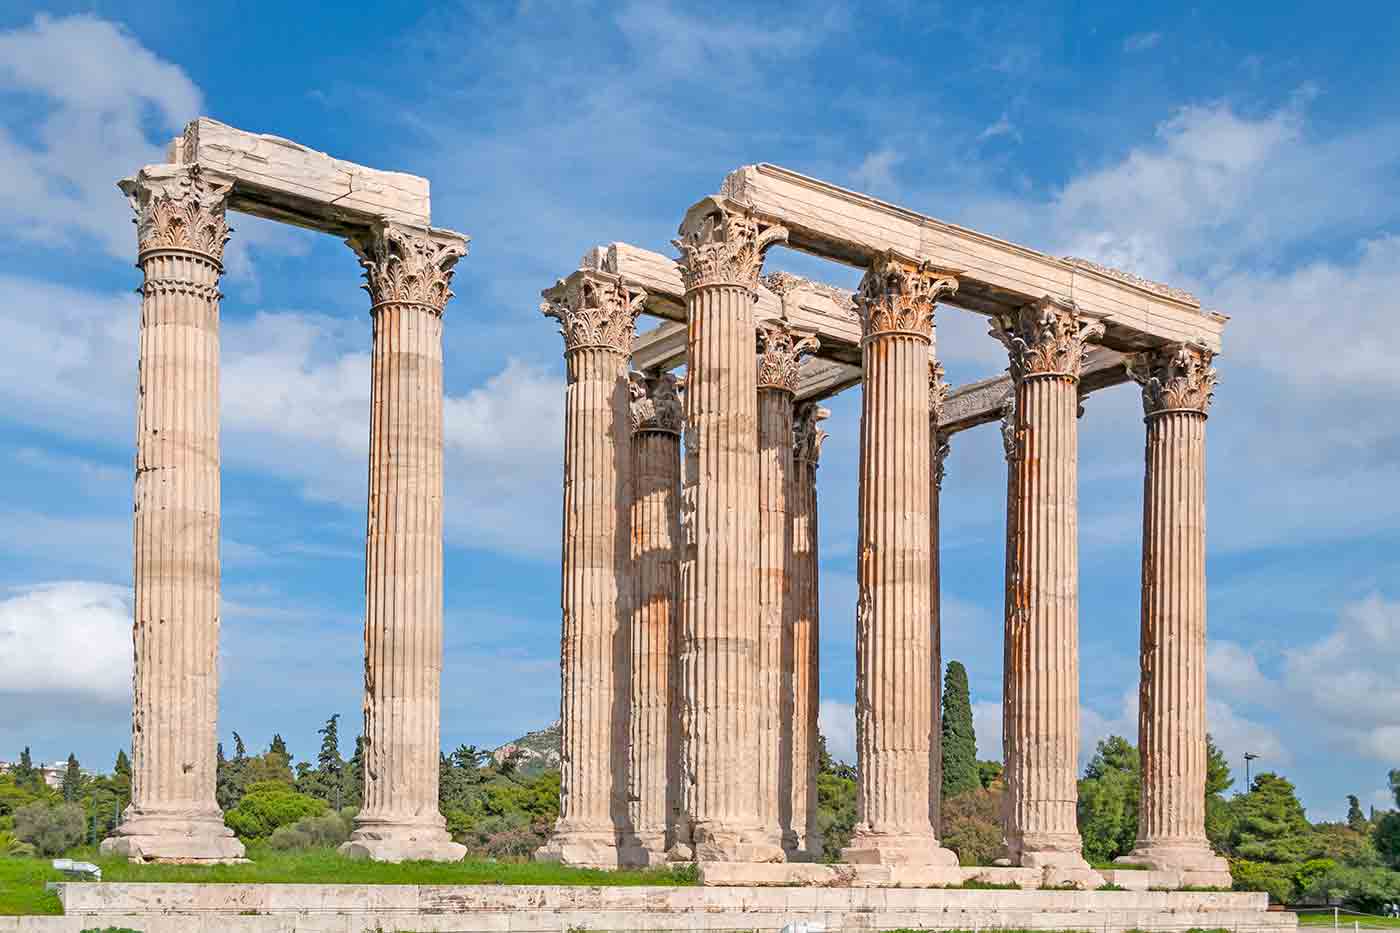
(722, 242)
(780, 352)
(656, 402)
(594, 309)
(898, 295)
(408, 265)
(1175, 378)
(807, 435)
(1046, 337)
(179, 208)
(937, 392)
(941, 448)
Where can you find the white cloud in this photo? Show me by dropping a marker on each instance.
(104, 88)
(71, 638)
(986, 722)
(1233, 670)
(1347, 682)
(837, 722)
(1234, 735)
(1002, 127)
(876, 171)
(1142, 41)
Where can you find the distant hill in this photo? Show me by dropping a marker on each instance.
(534, 751)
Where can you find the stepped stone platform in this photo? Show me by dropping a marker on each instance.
(309, 908)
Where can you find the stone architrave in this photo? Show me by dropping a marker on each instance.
(408, 272)
(655, 756)
(894, 676)
(181, 232)
(1177, 385)
(806, 668)
(1046, 342)
(780, 353)
(722, 246)
(938, 455)
(597, 314)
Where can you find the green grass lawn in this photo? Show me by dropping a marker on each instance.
(22, 879)
(1348, 921)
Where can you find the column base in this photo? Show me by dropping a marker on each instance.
(179, 838)
(1198, 865)
(1048, 850)
(387, 841)
(592, 849)
(712, 843)
(801, 849)
(873, 848)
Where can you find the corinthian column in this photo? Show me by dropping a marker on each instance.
(654, 767)
(806, 679)
(779, 356)
(1046, 342)
(1177, 385)
(181, 234)
(938, 454)
(597, 314)
(895, 682)
(722, 246)
(407, 273)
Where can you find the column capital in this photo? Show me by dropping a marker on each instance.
(897, 295)
(179, 207)
(1174, 378)
(1047, 337)
(656, 402)
(807, 435)
(937, 392)
(722, 242)
(404, 264)
(780, 352)
(594, 309)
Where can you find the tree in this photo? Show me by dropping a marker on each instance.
(1386, 838)
(972, 826)
(123, 765)
(279, 747)
(72, 780)
(1395, 785)
(1219, 815)
(959, 737)
(50, 829)
(1270, 824)
(1108, 800)
(327, 780)
(1355, 818)
(23, 771)
(989, 773)
(240, 751)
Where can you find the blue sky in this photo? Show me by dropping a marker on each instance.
(1251, 155)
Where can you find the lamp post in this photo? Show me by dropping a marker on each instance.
(1248, 757)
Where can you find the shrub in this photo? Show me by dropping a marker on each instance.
(972, 826)
(266, 805)
(1274, 878)
(1364, 889)
(12, 847)
(311, 832)
(513, 843)
(50, 829)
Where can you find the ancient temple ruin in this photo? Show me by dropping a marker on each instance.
(690, 616)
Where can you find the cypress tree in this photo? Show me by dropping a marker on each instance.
(123, 765)
(72, 780)
(1356, 819)
(960, 772)
(23, 772)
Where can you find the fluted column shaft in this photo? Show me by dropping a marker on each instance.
(173, 814)
(895, 683)
(597, 316)
(1177, 387)
(1042, 598)
(938, 453)
(403, 550)
(806, 668)
(722, 248)
(775, 658)
(654, 770)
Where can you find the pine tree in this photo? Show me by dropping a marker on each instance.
(279, 747)
(960, 773)
(1356, 819)
(123, 765)
(240, 751)
(23, 772)
(328, 761)
(72, 780)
